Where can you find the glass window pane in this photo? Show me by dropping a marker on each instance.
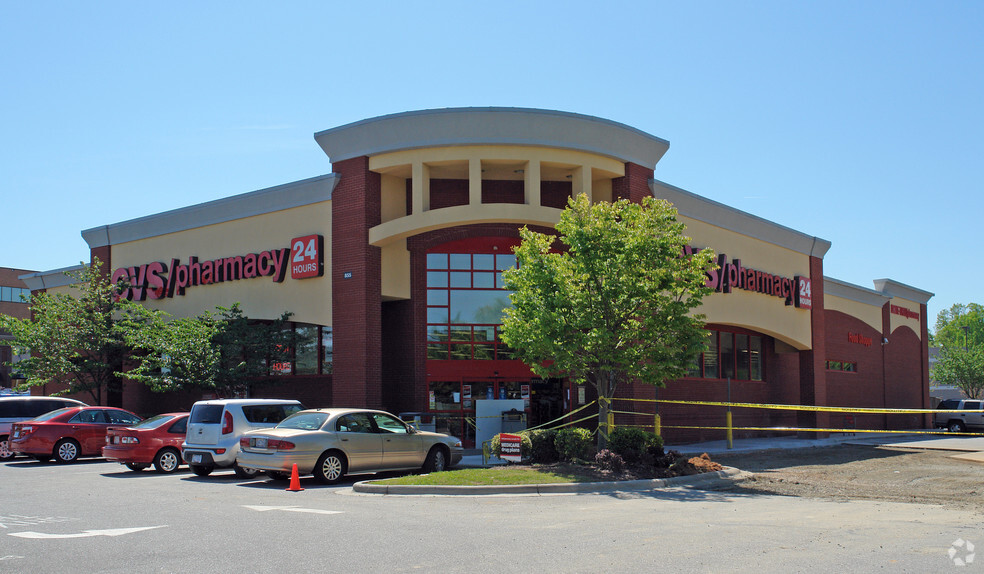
(755, 358)
(505, 261)
(306, 354)
(484, 280)
(437, 333)
(437, 279)
(437, 351)
(5, 294)
(445, 395)
(741, 352)
(486, 333)
(437, 314)
(727, 355)
(459, 333)
(484, 351)
(711, 357)
(461, 352)
(437, 296)
(460, 261)
(480, 307)
(461, 279)
(437, 260)
(483, 261)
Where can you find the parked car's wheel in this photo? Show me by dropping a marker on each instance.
(202, 470)
(955, 426)
(136, 466)
(436, 461)
(66, 450)
(331, 467)
(277, 475)
(167, 460)
(244, 472)
(5, 452)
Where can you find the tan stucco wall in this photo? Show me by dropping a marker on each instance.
(396, 271)
(757, 311)
(261, 298)
(895, 321)
(869, 314)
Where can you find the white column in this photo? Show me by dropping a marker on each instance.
(420, 198)
(474, 182)
(582, 182)
(533, 183)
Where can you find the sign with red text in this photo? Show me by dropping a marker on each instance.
(307, 257)
(160, 280)
(796, 291)
(511, 447)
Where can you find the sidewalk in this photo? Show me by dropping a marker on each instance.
(473, 457)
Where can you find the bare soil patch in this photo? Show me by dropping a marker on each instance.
(849, 472)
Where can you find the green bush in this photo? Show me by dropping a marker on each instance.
(544, 449)
(633, 443)
(525, 447)
(574, 444)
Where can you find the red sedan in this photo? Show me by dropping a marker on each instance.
(67, 434)
(156, 441)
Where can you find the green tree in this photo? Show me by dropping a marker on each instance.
(223, 351)
(73, 338)
(960, 338)
(613, 302)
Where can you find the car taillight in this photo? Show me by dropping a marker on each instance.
(227, 423)
(279, 444)
(243, 442)
(26, 429)
(129, 440)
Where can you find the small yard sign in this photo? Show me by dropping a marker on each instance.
(511, 447)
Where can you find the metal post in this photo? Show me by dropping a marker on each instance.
(728, 418)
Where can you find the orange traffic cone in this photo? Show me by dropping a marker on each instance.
(295, 480)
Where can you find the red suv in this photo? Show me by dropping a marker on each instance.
(67, 434)
(156, 441)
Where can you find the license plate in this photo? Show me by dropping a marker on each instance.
(196, 458)
(260, 442)
(116, 440)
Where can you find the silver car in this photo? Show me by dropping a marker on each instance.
(331, 443)
(214, 428)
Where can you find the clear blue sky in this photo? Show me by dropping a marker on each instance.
(857, 122)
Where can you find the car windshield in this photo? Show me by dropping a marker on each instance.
(52, 414)
(153, 422)
(304, 421)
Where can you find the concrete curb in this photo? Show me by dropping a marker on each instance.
(720, 478)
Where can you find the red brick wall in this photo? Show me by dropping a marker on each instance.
(555, 193)
(356, 301)
(501, 191)
(813, 381)
(448, 193)
(866, 387)
(634, 185)
(904, 387)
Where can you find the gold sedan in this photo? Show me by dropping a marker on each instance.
(331, 443)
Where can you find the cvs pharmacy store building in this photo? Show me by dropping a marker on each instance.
(392, 264)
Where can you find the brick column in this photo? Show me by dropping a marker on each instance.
(634, 185)
(356, 287)
(813, 379)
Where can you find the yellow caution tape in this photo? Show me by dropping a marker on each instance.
(812, 408)
(798, 429)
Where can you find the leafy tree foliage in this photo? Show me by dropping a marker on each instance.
(223, 351)
(960, 338)
(72, 338)
(613, 302)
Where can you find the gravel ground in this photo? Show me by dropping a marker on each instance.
(848, 472)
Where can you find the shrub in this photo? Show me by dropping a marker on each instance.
(667, 459)
(525, 447)
(608, 460)
(632, 443)
(573, 444)
(544, 449)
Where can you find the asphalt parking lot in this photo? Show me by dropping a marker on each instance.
(96, 516)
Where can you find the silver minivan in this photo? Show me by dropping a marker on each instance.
(22, 408)
(214, 428)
